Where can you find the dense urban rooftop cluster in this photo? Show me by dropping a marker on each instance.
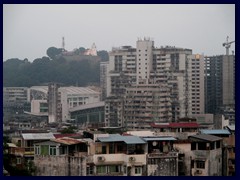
(157, 112)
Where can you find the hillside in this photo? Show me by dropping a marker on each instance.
(21, 73)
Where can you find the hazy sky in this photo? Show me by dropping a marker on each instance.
(29, 30)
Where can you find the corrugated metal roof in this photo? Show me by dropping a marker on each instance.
(119, 138)
(38, 136)
(169, 138)
(215, 131)
(205, 137)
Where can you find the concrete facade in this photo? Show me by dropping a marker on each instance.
(60, 165)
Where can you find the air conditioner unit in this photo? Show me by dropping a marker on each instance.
(199, 171)
(101, 158)
(132, 159)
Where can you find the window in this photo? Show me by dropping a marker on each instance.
(200, 164)
(192, 163)
(101, 169)
(193, 146)
(138, 169)
(113, 169)
(52, 150)
(19, 160)
(104, 149)
(89, 170)
(37, 150)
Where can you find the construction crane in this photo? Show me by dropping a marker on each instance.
(227, 45)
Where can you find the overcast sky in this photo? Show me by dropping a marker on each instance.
(29, 30)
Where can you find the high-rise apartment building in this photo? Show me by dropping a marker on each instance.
(220, 84)
(176, 70)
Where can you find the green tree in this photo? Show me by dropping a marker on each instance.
(52, 52)
(69, 130)
(103, 55)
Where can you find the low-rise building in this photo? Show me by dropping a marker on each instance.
(228, 161)
(61, 157)
(206, 155)
(161, 159)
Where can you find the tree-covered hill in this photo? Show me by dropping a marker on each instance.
(21, 73)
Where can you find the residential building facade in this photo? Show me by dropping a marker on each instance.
(176, 70)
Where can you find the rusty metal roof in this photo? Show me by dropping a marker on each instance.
(67, 141)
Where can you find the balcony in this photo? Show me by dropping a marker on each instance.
(136, 159)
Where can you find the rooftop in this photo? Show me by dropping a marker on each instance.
(70, 90)
(140, 133)
(231, 127)
(215, 131)
(119, 138)
(67, 141)
(38, 136)
(176, 125)
(205, 137)
(163, 138)
(78, 90)
(11, 145)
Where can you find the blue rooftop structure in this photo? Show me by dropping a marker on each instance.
(215, 131)
(119, 138)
